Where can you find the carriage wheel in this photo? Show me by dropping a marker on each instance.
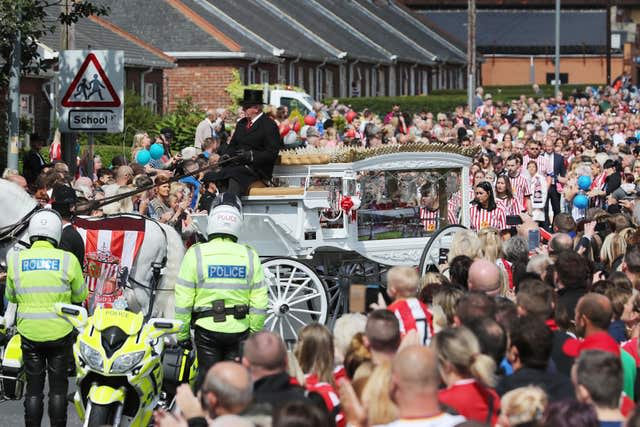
(297, 297)
(442, 239)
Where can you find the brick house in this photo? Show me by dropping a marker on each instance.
(328, 47)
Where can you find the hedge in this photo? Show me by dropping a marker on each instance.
(445, 100)
(105, 151)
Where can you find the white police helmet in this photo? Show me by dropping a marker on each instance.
(45, 224)
(225, 216)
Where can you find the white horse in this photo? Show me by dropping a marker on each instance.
(15, 206)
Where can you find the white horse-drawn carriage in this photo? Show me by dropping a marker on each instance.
(336, 218)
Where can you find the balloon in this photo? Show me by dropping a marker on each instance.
(350, 116)
(584, 182)
(310, 120)
(303, 131)
(143, 157)
(581, 201)
(156, 151)
(351, 133)
(284, 130)
(296, 126)
(290, 138)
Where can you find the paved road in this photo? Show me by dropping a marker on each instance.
(12, 413)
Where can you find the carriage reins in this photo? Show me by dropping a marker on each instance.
(95, 204)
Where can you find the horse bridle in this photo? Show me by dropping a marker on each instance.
(9, 233)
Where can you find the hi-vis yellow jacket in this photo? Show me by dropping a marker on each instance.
(221, 270)
(37, 278)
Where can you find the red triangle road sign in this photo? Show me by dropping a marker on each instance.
(94, 87)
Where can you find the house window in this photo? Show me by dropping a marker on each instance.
(27, 110)
(301, 76)
(242, 75)
(564, 78)
(264, 76)
(328, 75)
(424, 82)
(281, 78)
(312, 84)
(151, 96)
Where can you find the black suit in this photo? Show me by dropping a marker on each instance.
(263, 139)
(553, 196)
(32, 166)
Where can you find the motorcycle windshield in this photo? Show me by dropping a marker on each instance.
(130, 323)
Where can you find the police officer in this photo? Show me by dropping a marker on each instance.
(220, 289)
(37, 278)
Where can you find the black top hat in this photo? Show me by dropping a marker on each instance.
(252, 97)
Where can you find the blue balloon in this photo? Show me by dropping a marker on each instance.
(156, 151)
(143, 157)
(581, 201)
(584, 182)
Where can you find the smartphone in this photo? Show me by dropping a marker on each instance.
(534, 239)
(514, 220)
(443, 256)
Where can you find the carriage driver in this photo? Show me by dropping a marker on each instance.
(220, 289)
(37, 278)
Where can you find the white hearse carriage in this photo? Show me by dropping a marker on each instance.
(336, 217)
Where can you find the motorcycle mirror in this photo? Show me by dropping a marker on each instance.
(73, 314)
(158, 327)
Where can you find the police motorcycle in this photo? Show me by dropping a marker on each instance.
(12, 374)
(119, 362)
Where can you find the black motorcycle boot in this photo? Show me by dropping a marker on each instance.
(58, 410)
(33, 410)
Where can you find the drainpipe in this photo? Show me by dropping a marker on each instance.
(51, 100)
(351, 76)
(318, 84)
(250, 71)
(144, 73)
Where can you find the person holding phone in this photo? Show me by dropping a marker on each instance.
(484, 211)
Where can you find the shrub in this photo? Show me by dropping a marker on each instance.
(184, 121)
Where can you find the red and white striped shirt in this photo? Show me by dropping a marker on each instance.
(510, 206)
(413, 315)
(481, 218)
(598, 182)
(541, 161)
(520, 187)
(429, 219)
(329, 395)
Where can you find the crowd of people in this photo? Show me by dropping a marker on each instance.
(506, 332)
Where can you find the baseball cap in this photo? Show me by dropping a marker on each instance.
(599, 341)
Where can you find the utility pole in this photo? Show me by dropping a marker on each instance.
(556, 77)
(68, 42)
(14, 96)
(471, 52)
(608, 43)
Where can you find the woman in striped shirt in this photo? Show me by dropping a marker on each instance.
(484, 211)
(504, 196)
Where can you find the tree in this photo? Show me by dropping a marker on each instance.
(34, 19)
